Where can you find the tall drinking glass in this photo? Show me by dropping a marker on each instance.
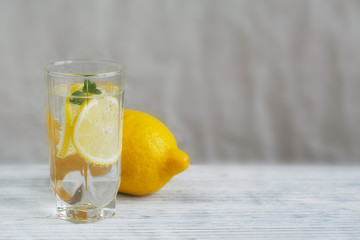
(84, 117)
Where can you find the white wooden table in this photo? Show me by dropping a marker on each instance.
(205, 202)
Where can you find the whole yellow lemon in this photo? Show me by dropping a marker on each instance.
(150, 157)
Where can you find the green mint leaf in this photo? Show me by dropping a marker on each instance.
(78, 101)
(89, 87)
(97, 91)
(86, 84)
(77, 93)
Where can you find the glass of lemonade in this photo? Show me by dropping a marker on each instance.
(84, 118)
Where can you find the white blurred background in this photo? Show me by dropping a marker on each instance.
(235, 81)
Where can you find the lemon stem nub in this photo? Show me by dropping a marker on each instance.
(178, 161)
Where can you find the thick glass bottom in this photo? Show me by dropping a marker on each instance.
(85, 212)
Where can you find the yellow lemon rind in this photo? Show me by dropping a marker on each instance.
(65, 141)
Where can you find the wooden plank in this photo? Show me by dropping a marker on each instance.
(207, 202)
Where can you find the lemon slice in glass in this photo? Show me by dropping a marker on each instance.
(96, 135)
(66, 148)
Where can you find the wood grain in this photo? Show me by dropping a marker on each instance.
(205, 202)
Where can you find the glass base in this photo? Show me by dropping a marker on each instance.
(85, 212)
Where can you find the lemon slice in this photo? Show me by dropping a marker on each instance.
(96, 131)
(66, 148)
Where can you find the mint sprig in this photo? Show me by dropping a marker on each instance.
(88, 88)
(78, 101)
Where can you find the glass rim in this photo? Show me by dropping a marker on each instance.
(121, 68)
